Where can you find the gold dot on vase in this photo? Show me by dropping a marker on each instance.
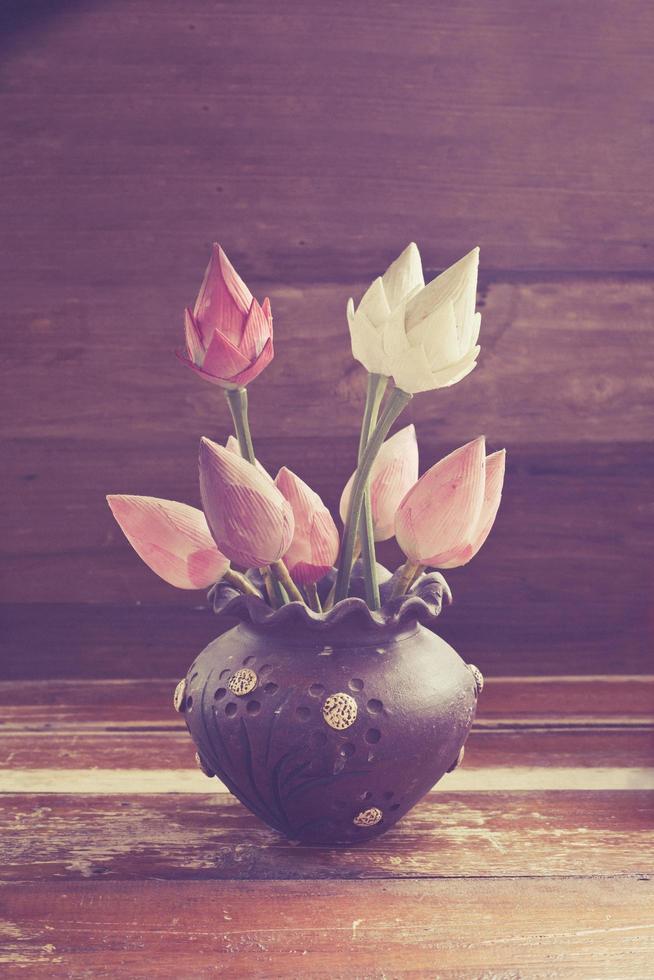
(242, 682)
(368, 818)
(339, 711)
(179, 696)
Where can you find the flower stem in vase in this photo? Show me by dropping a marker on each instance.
(281, 574)
(274, 590)
(329, 601)
(406, 575)
(241, 583)
(376, 387)
(313, 598)
(397, 402)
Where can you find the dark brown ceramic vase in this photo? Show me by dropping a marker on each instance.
(330, 727)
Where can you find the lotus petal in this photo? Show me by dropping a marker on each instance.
(442, 510)
(314, 547)
(403, 276)
(172, 538)
(255, 369)
(393, 473)
(249, 518)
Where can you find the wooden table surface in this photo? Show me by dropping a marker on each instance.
(314, 141)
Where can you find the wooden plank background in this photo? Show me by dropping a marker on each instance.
(315, 139)
(314, 143)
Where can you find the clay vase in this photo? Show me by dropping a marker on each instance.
(330, 727)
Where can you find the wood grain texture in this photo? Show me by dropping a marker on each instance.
(327, 135)
(66, 641)
(168, 836)
(336, 930)
(564, 360)
(52, 640)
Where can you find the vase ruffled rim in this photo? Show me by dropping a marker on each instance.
(422, 604)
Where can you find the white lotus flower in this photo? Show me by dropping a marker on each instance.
(424, 337)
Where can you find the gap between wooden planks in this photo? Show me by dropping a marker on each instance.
(183, 781)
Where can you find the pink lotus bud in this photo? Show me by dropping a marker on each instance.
(393, 473)
(228, 335)
(248, 517)
(446, 517)
(314, 547)
(172, 539)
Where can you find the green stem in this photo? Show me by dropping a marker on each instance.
(376, 387)
(241, 583)
(329, 601)
(279, 595)
(313, 597)
(237, 399)
(398, 401)
(281, 573)
(272, 587)
(405, 577)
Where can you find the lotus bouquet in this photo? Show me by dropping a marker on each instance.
(332, 706)
(274, 539)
